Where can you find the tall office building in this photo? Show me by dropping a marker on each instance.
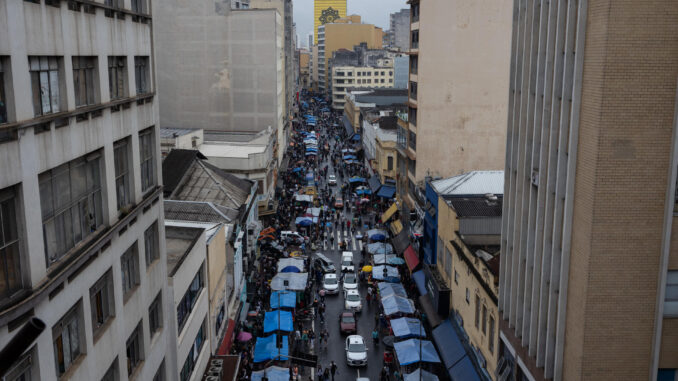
(80, 191)
(399, 30)
(327, 11)
(589, 267)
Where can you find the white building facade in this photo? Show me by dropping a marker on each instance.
(80, 191)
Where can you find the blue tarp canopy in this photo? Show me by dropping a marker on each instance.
(348, 150)
(418, 375)
(388, 289)
(374, 183)
(412, 351)
(295, 281)
(376, 235)
(362, 190)
(407, 328)
(312, 150)
(297, 169)
(353, 180)
(392, 274)
(395, 304)
(380, 248)
(288, 299)
(451, 348)
(420, 280)
(273, 373)
(464, 370)
(384, 259)
(290, 265)
(303, 221)
(386, 191)
(356, 138)
(311, 154)
(278, 320)
(265, 349)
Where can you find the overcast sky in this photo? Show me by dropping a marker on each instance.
(371, 11)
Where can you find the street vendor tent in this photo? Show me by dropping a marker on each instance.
(313, 212)
(392, 274)
(387, 259)
(376, 235)
(418, 375)
(414, 350)
(407, 327)
(380, 248)
(295, 281)
(388, 289)
(283, 299)
(395, 304)
(272, 373)
(265, 349)
(278, 320)
(290, 265)
(303, 198)
(353, 180)
(304, 221)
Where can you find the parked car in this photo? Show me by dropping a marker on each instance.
(339, 203)
(350, 282)
(292, 237)
(356, 351)
(347, 262)
(347, 322)
(332, 180)
(352, 301)
(331, 284)
(324, 264)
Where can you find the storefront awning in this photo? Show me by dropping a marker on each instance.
(430, 311)
(453, 353)
(389, 212)
(401, 242)
(374, 183)
(386, 191)
(347, 125)
(411, 258)
(420, 280)
(396, 227)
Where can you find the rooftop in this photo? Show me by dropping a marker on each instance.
(211, 228)
(179, 241)
(168, 132)
(238, 151)
(471, 183)
(198, 211)
(476, 206)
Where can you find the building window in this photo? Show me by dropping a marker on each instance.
(414, 12)
(414, 40)
(111, 373)
(188, 300)
(412, 116)
(67, 340)
(414, 63)
(448, 263)
(45, 84)
(71, 202)
(10, 249)
(147, 155)
(142, 74)
(413, 90)
(135, 349)
(491, 335)
(129, 268)
(117, 77)
(139, 6)
(122, 173)
(484, 319)
(155, 314)
(3, 99)
(468, 296)
(671, 294)
(160, 373)
(84, 81)
(477, 311)
(151, 244)
(412, 141)
(456, 277)
(389, 166)
(189, 364)
(117, 4)
(101, 301)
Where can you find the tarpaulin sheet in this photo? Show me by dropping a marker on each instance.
(290, 262)
(389, 289)
(384, 259)
(395, 304)
(273, 373)
(414, 350)
(420, 375)
(407, 327)
(386, 191)
(265, 349)
(420, 280)
(283, 299)
(278, 320)
(356, 180)
(401, 242)
(304, 221)
(374, 183)
(356, 138)
(464, 370)
(451, 348)
(389, 212)
(303, 198)
(296, 281)
(315, 212)
(392, 274)
(380, 248)
(411, 258)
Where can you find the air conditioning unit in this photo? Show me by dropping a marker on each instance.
(217, 362)
(215, 371)
(212, 378)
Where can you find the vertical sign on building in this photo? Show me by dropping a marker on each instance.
(326, 11)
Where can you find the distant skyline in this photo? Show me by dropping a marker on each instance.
(371, 11)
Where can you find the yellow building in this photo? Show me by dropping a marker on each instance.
(344, 77)
(304, 66)
(326, 11)
(468, 260)
(344, 33)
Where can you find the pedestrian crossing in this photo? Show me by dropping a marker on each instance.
(352, 244)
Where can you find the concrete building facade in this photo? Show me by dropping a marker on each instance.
(356, 77)
(304, 69)
(80, 191)
(589, 239)
(457, 88)
(399, 30)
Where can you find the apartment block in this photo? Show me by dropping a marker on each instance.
(399, 30)
(589, 263)
(356, 77)
(80, 191)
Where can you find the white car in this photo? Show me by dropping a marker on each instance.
(352, 301)
(356, 351)
(331, 284)
(350, 282)
(347, 262)
(332, 180)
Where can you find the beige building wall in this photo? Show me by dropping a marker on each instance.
(314, 68)
(216, 267)
(463, 78)
(386, 150)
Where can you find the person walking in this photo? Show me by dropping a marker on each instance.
(333, 369)
(319, 373)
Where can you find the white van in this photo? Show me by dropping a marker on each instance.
(347, 262)
(292, 237)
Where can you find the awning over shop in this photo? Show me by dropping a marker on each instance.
(389, 212)
(379, 248)
(386, 191)
(348, 127)
(295, 281)
(396, 227)
(374, 183)
(395, 304)
(407, 327)
(411, 258)
(464, 370)
(278, 320)
(450, 347)
(390, 275)
(272, 373)
(356, 138)
(420, 280)
(420, 375)
(414, 350)
(388, 289)
(283, 299)
(265, 349)
(401, 242)
(430, 311)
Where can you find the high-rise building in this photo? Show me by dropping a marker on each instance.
(81, 193)
(326, 11)
(354, 77)
(310, 40)
(399, 30)
(589, 267)
(457, 90)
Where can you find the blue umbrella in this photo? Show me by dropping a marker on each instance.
(303, 221)
(290, 269)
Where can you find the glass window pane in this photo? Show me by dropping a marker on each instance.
(44, 92)
(54, 90)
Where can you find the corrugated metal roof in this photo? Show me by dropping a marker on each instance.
(471, 183)
(198, 212)
(168, 132)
